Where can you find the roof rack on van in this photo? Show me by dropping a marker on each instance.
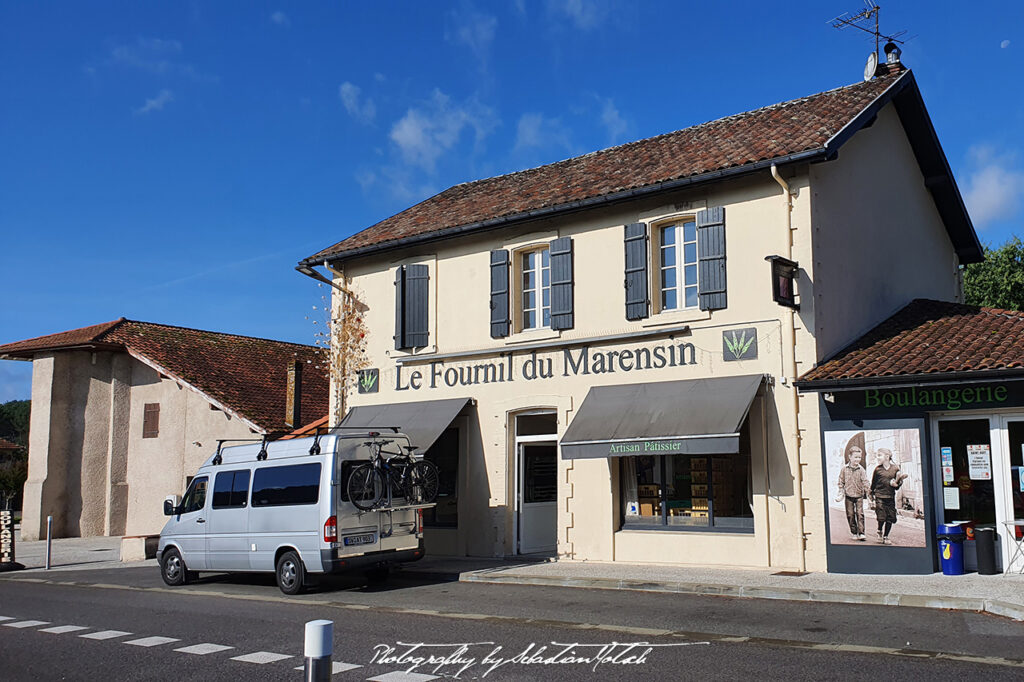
(262, 454)
(394, 429)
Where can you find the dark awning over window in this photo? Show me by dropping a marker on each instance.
(697, 416)
(422, 421)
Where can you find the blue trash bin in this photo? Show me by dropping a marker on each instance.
(951, 549)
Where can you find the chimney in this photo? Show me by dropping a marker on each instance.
(293, 403)
(892, 55)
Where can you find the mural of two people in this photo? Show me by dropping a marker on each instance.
(880, 469)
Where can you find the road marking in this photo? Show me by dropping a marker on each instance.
(336, 668)
(152, 641)
(105, 634)
(402, 676)
(61, 629)
(26, 623)
(6, 618)
(261, 657)
(203, 649)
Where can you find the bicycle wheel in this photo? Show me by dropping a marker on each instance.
(422, 483)
(365, 487)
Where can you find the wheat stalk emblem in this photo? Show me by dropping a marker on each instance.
(367, 380)
(739, 346)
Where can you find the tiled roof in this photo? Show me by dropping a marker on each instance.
(245, 374)
(309, 429)
(772, 132)
(928, 338)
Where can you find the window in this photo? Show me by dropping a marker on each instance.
(287, 485)
(535, 285)
(444, 454)
(412, 316)
(231, 489)
(677, 259)
(195, 496)
(151, 420)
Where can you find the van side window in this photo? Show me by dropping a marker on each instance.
(288, 485)
(195, 496)
(230, 489)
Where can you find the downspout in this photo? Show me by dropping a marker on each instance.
(789, 342)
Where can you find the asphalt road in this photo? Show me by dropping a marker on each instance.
(147, 624)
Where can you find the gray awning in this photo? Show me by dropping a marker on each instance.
(422, 421)
(692, 417)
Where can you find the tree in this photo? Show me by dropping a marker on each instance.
(14, 421)
(13, 473)
(343, 336)
(998, 281)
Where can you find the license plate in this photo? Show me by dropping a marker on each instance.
(367, 539)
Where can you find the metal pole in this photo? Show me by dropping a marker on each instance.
(319, 646)
(49, 539)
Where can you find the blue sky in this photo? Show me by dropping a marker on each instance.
(171, 162)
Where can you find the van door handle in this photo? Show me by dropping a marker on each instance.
(200, 520)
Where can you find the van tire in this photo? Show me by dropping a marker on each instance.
(173, 569)
(290, 573)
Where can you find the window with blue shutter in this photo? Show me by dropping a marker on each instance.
(499, 294)
(636, 271)
(412, 318)
(711, 258)
(561, 283)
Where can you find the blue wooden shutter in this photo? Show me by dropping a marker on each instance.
(636, 271)
(499, 294)
(417, 288)
(711, 258)
(561, 283)
(400, 308)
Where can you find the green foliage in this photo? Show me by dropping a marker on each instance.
(14, 421)
(13, 473)
(998, 281)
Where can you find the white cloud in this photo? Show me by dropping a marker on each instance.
(994, 186)
(379, 77)
(472, 29)
(156, 103)
(158, 56)
(363, 110)
(426, 133)
(584, 14)
(1005, 44)
(536, 131)
(613, 122)
(281, 19)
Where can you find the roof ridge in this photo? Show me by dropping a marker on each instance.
(210, 331)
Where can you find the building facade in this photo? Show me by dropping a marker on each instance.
(600, 354)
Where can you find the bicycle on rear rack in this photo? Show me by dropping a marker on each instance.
(384, 479)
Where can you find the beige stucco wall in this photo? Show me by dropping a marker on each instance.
(89, 466)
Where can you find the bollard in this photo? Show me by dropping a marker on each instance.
(319, 644)
(49, 539)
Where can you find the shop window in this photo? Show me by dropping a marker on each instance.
(537, 424)
(444, 454)
(535, 289)
(677, 260)
(151, 420)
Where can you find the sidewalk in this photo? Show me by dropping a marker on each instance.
(997, 594)
(72, 553)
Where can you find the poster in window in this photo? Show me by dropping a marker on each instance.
(979, 463)
(875, 492)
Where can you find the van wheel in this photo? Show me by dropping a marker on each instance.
(291, 575)
(377, 574)
(173, 569)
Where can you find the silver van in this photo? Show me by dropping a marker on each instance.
(283, 507)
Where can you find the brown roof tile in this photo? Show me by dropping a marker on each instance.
(929, 337)
(772, 132)
(246, 374)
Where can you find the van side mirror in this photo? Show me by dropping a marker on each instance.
(171, 505)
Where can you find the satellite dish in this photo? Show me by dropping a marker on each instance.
(871, 66)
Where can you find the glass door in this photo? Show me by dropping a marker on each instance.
(1011, 469)
(966, 471)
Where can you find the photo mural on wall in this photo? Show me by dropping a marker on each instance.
(875, 492)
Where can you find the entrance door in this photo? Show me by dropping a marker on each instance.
(966, 471)
(1011, 470)
(537, 497)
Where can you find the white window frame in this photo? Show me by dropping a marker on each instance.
(538, 290)
(679, 268)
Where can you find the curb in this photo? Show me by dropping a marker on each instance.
(995, 607)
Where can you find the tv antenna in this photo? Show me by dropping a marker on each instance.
(862, 22)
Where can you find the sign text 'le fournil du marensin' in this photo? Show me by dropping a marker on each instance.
(577, 361)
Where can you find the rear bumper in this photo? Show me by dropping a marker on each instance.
(332, 563)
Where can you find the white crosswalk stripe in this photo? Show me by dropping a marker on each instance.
(62, 629)
(152, 641)
(26, 623)
(203, 649)
(261, 657)
(336, 667)
(6, 618)
(105, 634)
(402, 676)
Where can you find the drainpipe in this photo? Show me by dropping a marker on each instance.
(789, 332)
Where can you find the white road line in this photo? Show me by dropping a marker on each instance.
(152, 641)
(261, 657)
(203, 649)
(336, 667)
(61, 629)
(26, 623)
(6, 618)
(402, 676)
(105, 634)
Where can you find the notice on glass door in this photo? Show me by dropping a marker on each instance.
(979, 463)
(951, 498)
